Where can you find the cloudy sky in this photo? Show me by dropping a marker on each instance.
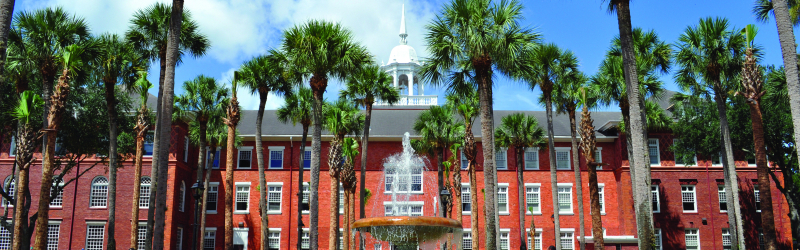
(241, 29)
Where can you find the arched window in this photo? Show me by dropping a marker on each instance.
(144, 192)
(99, 193)
(10, 183)
(182, 199)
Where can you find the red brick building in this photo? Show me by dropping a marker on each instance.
(80, 217)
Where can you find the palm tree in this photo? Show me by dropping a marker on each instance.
(763, 8)
(477, 37)
(753, 90)
(6, 11)
(438, 128)
(342, 118)
(589, 146)
(566, 99)
(232, 112)
(28, 107)
(640, 170)
(464, 102)
(364, 88)
(262, 75)
(143, 121)
(297, 109)
(71, 68)
(149, 34)
(322, 50)
(551, 66)
(216, 136)
(710, 58)
(519, 131)
(348, 177)
(117, 62)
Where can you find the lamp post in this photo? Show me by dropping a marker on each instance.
(445, 196)
(197, 193)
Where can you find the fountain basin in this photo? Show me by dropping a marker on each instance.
(404, 230)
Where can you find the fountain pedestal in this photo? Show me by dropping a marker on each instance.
(408, 231)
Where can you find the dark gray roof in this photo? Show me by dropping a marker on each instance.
(664, 102)
(394, 123)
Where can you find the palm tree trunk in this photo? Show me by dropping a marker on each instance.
(518, 157)
(469, 147)
(573, 125)
(318, 84)
(166, 124)
(364, 142)
(641, 175)
(552, 156)
(764, 185)
(6, 11)
(458, 213)
(594, 196)
(729, 172)
(300, 186)
(111, 104)
(262, 178)
(352, 218)
(333, 227)
(137, 177)
(21, 242)
(232, 121)
(151, 211)
(483, 74)
(209, 165)
(346, 220)
(440, 180)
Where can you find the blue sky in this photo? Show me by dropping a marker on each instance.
(242, 29)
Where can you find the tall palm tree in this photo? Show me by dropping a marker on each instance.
(588, 147)
(116, 63)
(342, 118)
(640, 170)
(72, 63)
(566, 99)
(231, 120)
(762, 9)
(477, 37)
(29, 105)
(149, 34)
(262, 75)
(464, 102)
(6, 11)
(216, 137)
(322, 50)
(551, 66)
(348, 177)
(439, 129)
(143, 121)
(710, 58)
(364, 88)
(753, 90)
(297, 109)
(519, 131)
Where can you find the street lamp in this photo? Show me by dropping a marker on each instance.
(445, 196)
(197, 193)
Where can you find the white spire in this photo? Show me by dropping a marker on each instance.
(403, 33)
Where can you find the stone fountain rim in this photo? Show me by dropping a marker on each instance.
(406, 221)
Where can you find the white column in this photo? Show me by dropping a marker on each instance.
(394, 81)
(421, 88)
(410, 83)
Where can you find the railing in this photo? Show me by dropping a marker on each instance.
(420, 100)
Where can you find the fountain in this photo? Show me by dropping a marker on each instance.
(403, 223)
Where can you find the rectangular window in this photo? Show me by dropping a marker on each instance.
(757, 198)
(211, 200)
(723, 201)
(216, 157)
(306, 194)
(466, 199)
(5, 238)
(274, 196)
(245, 157)
(242, 197)
(466, 241)
(598, 157)
(13, 150)
(564, 198)
(726, 238)
(274, 240)
(94, 236)
(411, 208)
(501, 158)
(601, 191)
(502, 198)
(504, 240)
(654, 191)
(532, 200)
(679, 161)
(10, 187)
(464, 161)
(144, 192)
(531, 158)
(657, 242)
(305, 240)
(717, 160)
(179, 241)
(688, 196)
(148, 143)
(341, 199)
(52, 235)
(652, 147)
(141, 236)
(567, 240)
(185, 149)
(307, 159)
(537, 241)
(692, 238)
(210, 239)
(276, 157)
(58, 200)
(401, 183)
(562, 159)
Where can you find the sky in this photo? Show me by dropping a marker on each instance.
(242, 29)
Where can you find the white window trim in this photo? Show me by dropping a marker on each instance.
(533, 241)
(216, 208)
(462, 200)
(694, 190)
(533, 150)
(149, 187)
(91, 186)
(94, 223)
(699, 240)
(539, 185)
(276, 148)
(408, 203)
(603, 200)
(61, 184)
(508, 199)
(236, 185)
(599, 157)
(569, 157)
(657, 231)
(757, 191)
(462, 158)
(656, 209)
(144, 154)
(726, 193)
(280, 184)
(507, 231)
(305, 184)
(307, 149)
(471, 236)
(501, 151)
(238, 153)
(571, 202)
(12, 147)
(658, 149)
(569, 230)
(395, 176)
